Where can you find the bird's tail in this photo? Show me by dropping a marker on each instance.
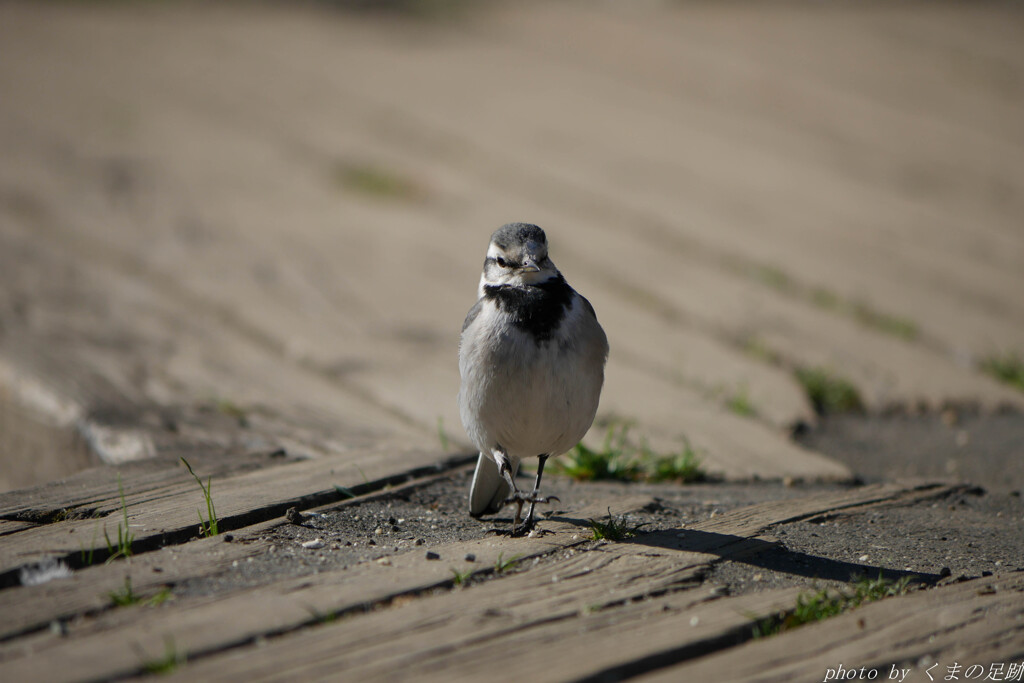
(489, 490)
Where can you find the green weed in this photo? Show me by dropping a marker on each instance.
(614, 529)
(328, 617)
(1007, 368)
(442, 435)
(127, 596)
(829, 393)
(884, 322)
(816, 606)
(619, 459)
(87, 555)
(461, 578)
(375, 181)
(740, 403)
(233, 410)
(123, 547)
(773, 277)
(170, 661)
(209, 526)
(758, 349)
(615, 460)
(826, 299)
(410, 10)
(683, 467)
(162, 596)
(502, 565)
(347, 492)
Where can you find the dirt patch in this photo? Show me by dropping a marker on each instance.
(421, 519)
(986, 450)
(971, 534)
(977, 533)
(967, 536)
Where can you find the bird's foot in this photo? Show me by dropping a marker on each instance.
(531, 497)
(529, 528)
(519, 498)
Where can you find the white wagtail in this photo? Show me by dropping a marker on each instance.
(532, 358)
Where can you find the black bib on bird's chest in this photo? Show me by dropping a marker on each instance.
(537, 309)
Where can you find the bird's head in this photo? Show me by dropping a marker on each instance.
(518, 256)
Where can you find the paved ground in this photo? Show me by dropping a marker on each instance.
(741, 192)
(247, 235)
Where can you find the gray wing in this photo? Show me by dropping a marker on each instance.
(588, 306)
(488, 490)
(473, 313)
(596, 330)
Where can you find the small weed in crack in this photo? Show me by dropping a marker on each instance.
(820, 605)
(127, 596)
(614, 529)
(618, 459)
(123, 547)
(503, 565)
(170, 660)
(208, 527)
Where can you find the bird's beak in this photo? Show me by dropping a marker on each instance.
(530, 265)
(533, 251)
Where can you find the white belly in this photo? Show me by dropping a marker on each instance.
(529, 399)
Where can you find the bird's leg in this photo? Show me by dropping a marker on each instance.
(506, 472)
(534, 499)
(519, 497)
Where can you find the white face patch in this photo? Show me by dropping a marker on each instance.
(502, 268)
(494, 251)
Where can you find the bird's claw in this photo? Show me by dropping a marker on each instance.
(521, 497)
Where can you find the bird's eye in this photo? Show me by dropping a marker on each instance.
(502, 262)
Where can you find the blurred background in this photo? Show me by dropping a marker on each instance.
(258, 225)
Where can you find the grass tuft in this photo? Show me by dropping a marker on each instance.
(462, 578)
(829, 393)
(827, 299)
(740, 403)
(86, 556)
(233, 410)
(123, 547)
(816, 606)
(328, 617)
(502, 565)
(442, 435)
(127, 596)
(375, 181)
(683, 467)
(615, 460)
(162, 596)
(773, 278)
(614, 529)
(618, 459)
(346, 492)
(209, 526)
(758, 349)
(1007, 368)
(884, 322)
(170, 661)
(422, 10)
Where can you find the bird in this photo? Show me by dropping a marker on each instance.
(531, 359)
